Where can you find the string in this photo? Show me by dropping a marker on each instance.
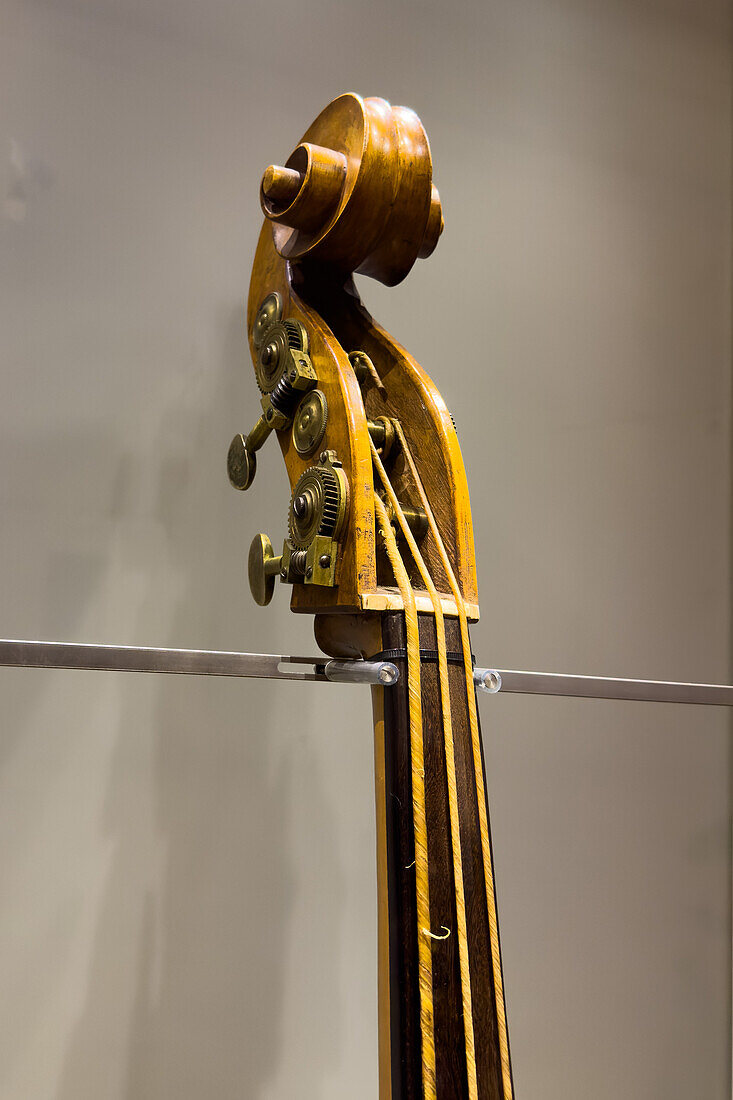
(450, 761)
(425, 961)
(479, 774)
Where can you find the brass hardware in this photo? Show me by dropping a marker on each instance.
(382, 433)
(318, 505)
(283, 349)
(241, 463)
(284, 372)
(294, 561)
(417, 521)
(310, 422)
(262, 568)
(321, 561)
(270, 311)
(242, 460)
(316, 518)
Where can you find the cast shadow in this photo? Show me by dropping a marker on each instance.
(200, 994)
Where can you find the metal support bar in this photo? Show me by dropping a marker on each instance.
(494, 680)
(191, 662)
(203, 662)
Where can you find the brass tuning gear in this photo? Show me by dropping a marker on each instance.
(316, 519)
(284, 373)
(270, 310)
(318, 506)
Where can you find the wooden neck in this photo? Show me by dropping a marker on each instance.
(401, 1048)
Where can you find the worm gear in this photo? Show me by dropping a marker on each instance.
(318, 505)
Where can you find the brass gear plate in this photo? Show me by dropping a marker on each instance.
(310, 422)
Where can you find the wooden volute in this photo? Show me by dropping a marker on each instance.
(379, 547)
(357, 191)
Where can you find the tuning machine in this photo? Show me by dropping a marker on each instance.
(316, 519)
(284, 374)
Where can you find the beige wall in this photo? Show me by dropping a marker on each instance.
(187, 868)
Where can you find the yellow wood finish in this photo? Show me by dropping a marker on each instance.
(378, 159)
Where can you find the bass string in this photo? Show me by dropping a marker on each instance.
(478, 773)
(425, 963)
(450, 759)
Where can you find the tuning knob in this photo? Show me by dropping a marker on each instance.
(284, 373)
(242, 457)
(262, 568)
(241, 463)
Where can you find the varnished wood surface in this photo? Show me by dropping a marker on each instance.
(365, 201)
(405, 1064)
(356, 195)
(411, 396)
(337, 322)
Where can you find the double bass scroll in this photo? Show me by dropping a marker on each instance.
(379, 547)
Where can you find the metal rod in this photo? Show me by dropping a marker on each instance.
(187, 662)
(601, 687)
(191, 662)
(362, 672)
(203, 662)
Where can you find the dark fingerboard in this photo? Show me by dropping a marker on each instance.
(405, 1047)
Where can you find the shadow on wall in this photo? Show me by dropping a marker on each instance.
(200, 995)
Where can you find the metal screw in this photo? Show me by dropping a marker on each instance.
(283, 573)
(269, 414)
(324, 561)
(300, 505)
(309, 572)
(293, 375)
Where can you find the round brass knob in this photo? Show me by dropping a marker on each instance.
(310, 421)
(262, 568)
(270, 311)
(241, 463)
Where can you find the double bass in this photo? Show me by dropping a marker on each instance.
(379, 549)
